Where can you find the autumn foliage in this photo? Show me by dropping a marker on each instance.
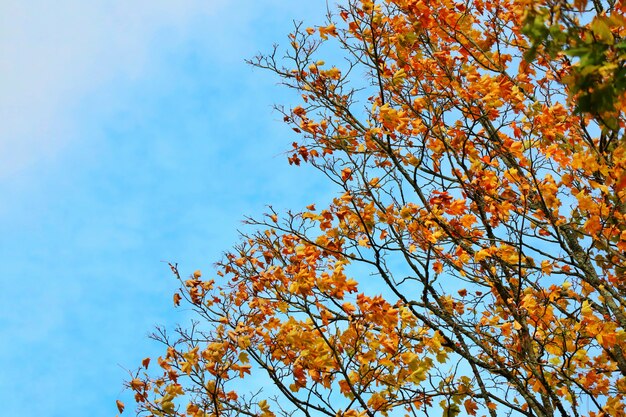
(473, 260)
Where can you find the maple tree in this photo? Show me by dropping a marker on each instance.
(473, 261)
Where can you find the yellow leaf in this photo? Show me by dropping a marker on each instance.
(601, 30)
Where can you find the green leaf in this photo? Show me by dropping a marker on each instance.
(450, 411)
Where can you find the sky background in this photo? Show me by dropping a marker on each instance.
(131, 134)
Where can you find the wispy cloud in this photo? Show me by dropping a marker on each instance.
(53, 53)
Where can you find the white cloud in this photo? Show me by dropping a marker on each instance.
(53, 53)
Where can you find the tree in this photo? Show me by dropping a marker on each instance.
(473, 261)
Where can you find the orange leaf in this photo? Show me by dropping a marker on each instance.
(177, 299)
(470, 407)
(137, 384)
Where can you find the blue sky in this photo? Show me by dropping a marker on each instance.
(132, 134)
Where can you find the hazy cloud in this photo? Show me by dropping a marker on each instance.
(53, 53)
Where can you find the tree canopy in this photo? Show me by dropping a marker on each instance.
(473, 259)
